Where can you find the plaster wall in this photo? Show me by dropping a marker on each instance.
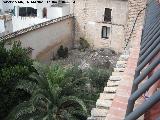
(1, 7)
(57, 12)
(46, 40)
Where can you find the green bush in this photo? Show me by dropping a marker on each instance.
(15, 65)
(83, 44)
(62, 52)
(88, 84)
(49, 99)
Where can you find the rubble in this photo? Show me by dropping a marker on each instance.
(100, 58)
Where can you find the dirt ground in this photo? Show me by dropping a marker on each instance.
(100, 58)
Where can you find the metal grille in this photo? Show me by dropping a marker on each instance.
(150, 48)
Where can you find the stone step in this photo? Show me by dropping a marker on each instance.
(121, 62)
(105, 96)
(119, 69)
(112, 83)
(120, 65)
(110, 90)
(96, 112)
(123, 57)
(114, 78)
(96, 118)
(91, 118)
(105, 104)
(99, 118)
(116, 73)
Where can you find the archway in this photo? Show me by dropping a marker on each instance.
(44, 12)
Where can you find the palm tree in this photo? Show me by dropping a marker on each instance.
(49, 100)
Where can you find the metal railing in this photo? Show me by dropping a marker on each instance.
(147, 62)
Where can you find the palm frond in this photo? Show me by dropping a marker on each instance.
(20, 110)
(28, 86)
(72, 101)
(45, 92)
(56, 74)
(79, 115)
(41, 80)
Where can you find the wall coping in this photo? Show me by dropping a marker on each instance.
(34, 27)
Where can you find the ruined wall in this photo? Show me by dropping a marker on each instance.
(45, 38)
(89, 19)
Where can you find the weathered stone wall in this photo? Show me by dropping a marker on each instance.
(136, 11)
(8, 26)
(89, 19)
(45, 38)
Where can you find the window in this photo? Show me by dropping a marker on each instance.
(27, 11)
(107, 15)
(105, 32)
(44, 12)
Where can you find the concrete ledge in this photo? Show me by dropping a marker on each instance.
(96, 112)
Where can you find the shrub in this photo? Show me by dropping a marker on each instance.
(48, 100)
(62, 52)
(98, 78)
(15, 65)
(83, 44)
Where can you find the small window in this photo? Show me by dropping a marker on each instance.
(44, 12)
(27, 11)
(105, 32)
(107, 15)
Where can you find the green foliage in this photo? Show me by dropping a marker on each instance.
(62, 52)
(14, 66)
(98, 78)
(83, 44)
(56, 93)
(49, 99)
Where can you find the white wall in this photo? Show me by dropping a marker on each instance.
(8, 26)
(2, 28)
(54, 12)
(66, 10)
(40, 8)
(1, 5)
(5, 27)
(7, 6)
(29, 21)
(25, 4)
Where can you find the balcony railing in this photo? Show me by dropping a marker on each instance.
(148, 61)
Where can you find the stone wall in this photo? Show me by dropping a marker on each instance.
(7, 24)
(135, 19)
(112, 103)
(89, 19)
(45, 38)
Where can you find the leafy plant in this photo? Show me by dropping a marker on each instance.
(49, 100)
(14, 65)
(83, 44)
(62, 52)
(98, 77)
